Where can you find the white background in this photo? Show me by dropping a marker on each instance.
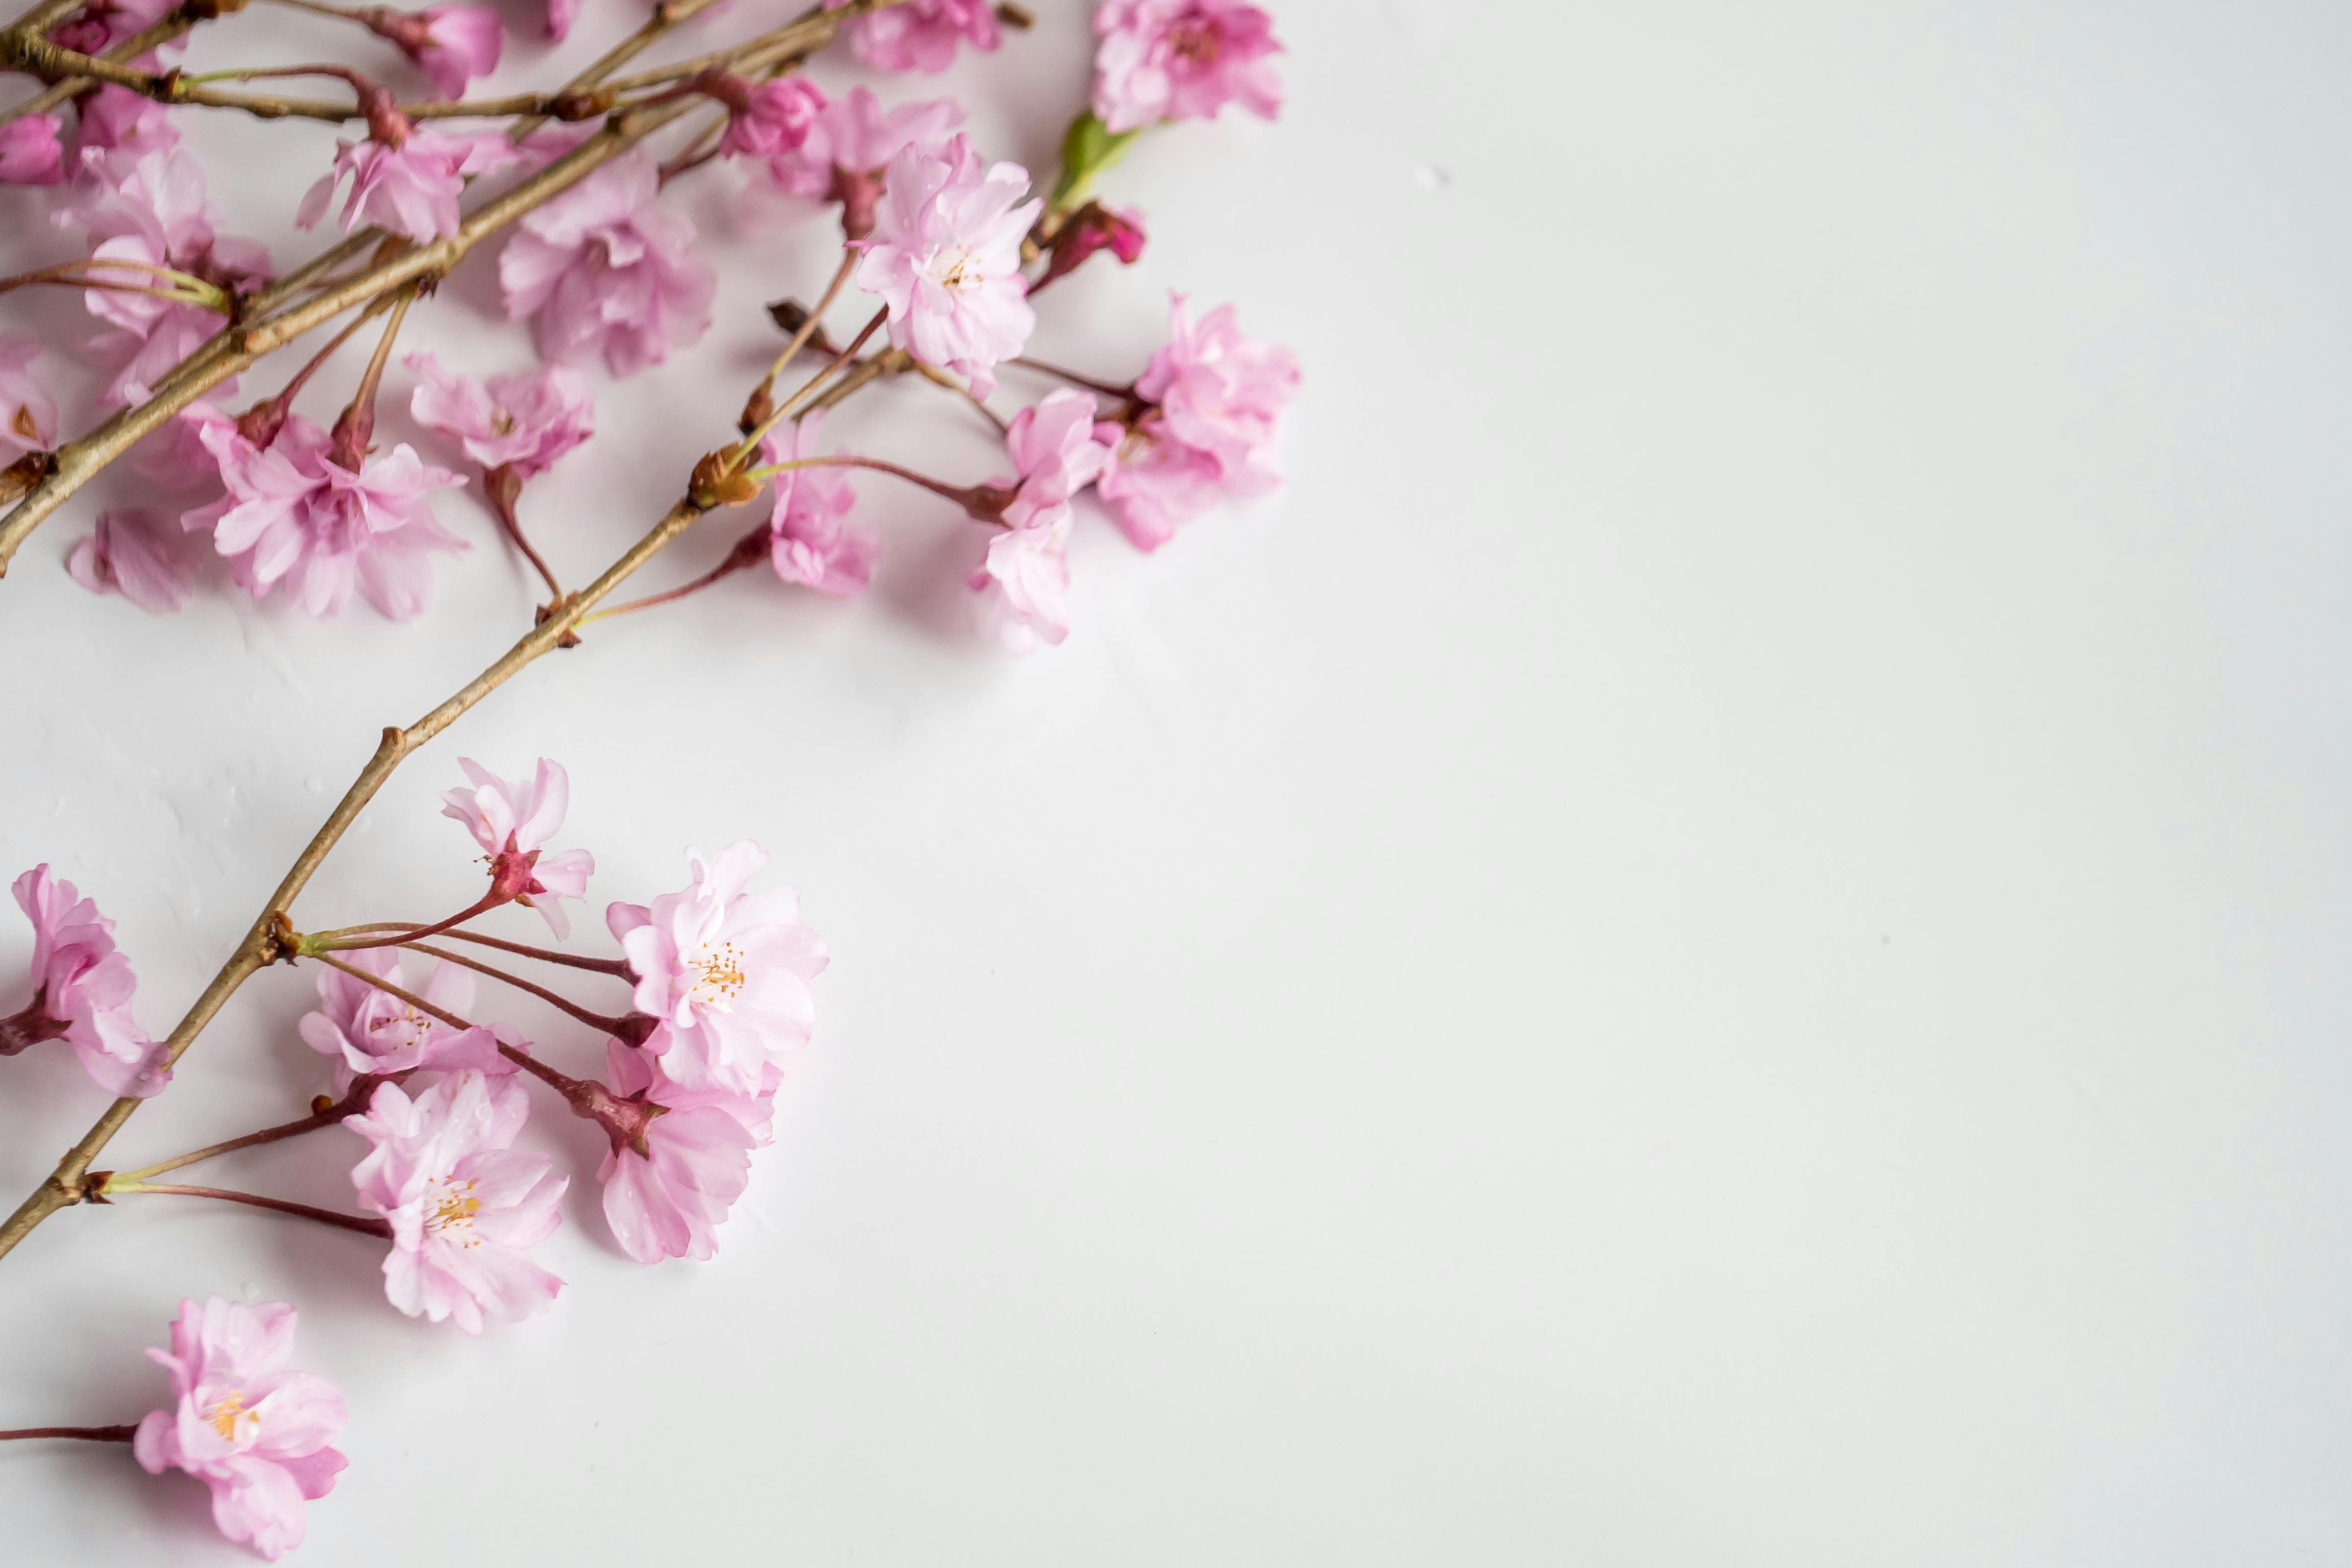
(1720, 938)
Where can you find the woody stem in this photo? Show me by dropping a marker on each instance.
(123, 1433)
(366, 1225)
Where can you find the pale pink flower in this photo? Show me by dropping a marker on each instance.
(850, 144)
(920, 35)
(605, 267)
(510, 822)
(1027, 575)
(374, 1033)
(174, 455)
(82, 987)
(410, 185)
(1153, 484)
(292, 513)
(1221, 392)
(28, 414)
(946, 259)
(450, 44)
(149, 208)
(766, 119)
(725, 972)
(137, 554)
(111, 119)
(1182, 59)
(560, 14)
(255, 1433)
(1055, 448)
(811, 540)
(464, 1203)
(29, 151)
(678, 1158)
(519, 422)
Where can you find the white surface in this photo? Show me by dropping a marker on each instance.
(1720, 939)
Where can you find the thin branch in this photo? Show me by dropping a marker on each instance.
(594, 1020)
(123, 1433)
(364, 1224)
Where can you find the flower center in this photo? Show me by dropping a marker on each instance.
(23, 424)
(718, 976)
(961, 272)
(456, 1211)
(230, 1409)
(1196, 43)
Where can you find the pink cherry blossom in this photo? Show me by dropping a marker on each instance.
(464, 1203)
(849, 146)
(450, 44)
(767, 119)
(560, 14)
(102, 23)
(1091, 228)
(1026, 571)
(28, 414)
(257, 1434)
(946, 259)
(82, 987)
(920, 35)
(1221, 392)
(137, 554)
(510, 822)
(369, 1031)
(605, 268)
(678, 1158)
(1182, 59)
(519, 422)
(293, 514)
(812, 541)
(726, 972)
(149, 208)
(113, 119)
(1152, 483)
(29, 151)
(409, 186)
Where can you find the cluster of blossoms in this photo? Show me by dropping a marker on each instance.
(950, 249)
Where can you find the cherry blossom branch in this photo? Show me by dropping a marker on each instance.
(123, 1433)
(1029, 362)
(366, 1225)
(613, 966)
(351, 941)
(756, 412)
(179, 23)
(74, 464)
(792, 404)
(594, 1020)
(611, 1025)
(327, 1115)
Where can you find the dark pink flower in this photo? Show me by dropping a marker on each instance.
(920, 35)
(1221, 392)
(1091, 228)
(463, 1203)
(520, 422)
(1182, 59)
(255, 1433)
(450, 44)
(28, 414)
(678, 1158)
(811, 540)
(605, 268)
(82, 987)
(293, 513)
(766, 119)
(512, 822)
(408, 181)
(850, 144)
(945, 258)
(116, 119)
(29, 152)
(137, 554)
(102, 23)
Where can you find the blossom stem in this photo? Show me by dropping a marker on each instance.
(1073, 377)
(939, 377)
(364, 1224)
(325, 942)
(123, 1433)
(363, 1088)
(960, 495)
(285, 398)
(389, 989)
(594, 1020)
(173, 25)
(815, 322)
(501, 488)
(612, 966)
(564, 1084)
(792, 405)
(316, 9)
(355, 426)
(742, 556)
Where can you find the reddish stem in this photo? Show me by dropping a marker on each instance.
(594, 1020)
(366, 1225)
(123, 1433)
